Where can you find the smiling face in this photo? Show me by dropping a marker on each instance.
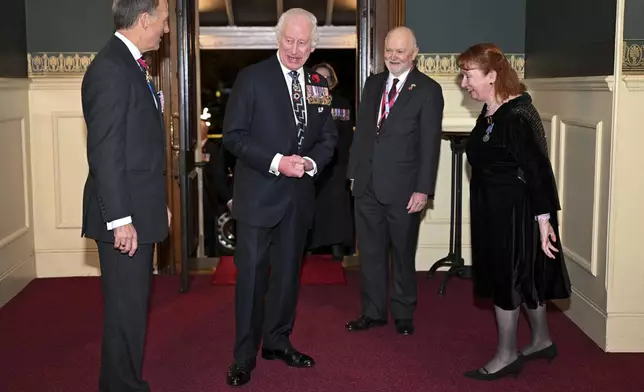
(400, 51)
(294, 43)
(479, 85)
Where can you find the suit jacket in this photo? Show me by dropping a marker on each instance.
(125, 148)
(223, 166)
(403, 158)
(259, 123)
(211, 171)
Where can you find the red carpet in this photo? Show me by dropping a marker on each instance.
(316, 269)
(50, 338)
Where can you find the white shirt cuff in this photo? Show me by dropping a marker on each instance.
(275, 164)
(313, 171)
(119, 222)
(542, 217)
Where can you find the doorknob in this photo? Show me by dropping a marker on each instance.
(175, 146)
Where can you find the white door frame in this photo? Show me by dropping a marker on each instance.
(249, 38)
(234, 37)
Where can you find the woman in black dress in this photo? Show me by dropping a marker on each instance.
(333, 223)
(517, 257)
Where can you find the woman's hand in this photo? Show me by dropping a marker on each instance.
(547, 235)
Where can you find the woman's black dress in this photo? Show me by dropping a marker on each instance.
(513, 182)
(333, 223)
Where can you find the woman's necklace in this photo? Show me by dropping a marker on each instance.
(488, 131)
(491, 109)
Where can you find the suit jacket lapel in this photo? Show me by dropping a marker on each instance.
(283, 96)
(310, 114)
(403, 96)
(139, 75)
(377, 98)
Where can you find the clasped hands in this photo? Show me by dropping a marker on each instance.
(294, 166)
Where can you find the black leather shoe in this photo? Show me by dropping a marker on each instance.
(363, 323)
(405, 327)
(238, 375)
(290, 356)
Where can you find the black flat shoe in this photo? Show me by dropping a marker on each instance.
(549, 353)
(363, 323)
(405, 327)
(511, 369)
(237, 375)
(291, 357)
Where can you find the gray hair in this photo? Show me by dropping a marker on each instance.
(126, 12)
(406, 30)
(315, 36)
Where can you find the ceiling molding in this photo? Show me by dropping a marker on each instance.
(233, 37)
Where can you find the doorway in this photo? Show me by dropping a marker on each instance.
(199, 26)
(220, 68)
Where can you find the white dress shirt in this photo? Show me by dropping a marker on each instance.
(390, 80)
(274, 169)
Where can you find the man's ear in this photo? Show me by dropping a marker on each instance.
(144, 20)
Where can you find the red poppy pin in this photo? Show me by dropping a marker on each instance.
(315, 78)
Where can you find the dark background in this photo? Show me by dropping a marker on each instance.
(575, 40)
(219, 68)
(13, 40)
(451, 26)
(558, 37)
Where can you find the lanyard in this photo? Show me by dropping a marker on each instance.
(385, 103)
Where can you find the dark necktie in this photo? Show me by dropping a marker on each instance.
(148, 78)
(392, 93)
(298, 107)
(391, 98)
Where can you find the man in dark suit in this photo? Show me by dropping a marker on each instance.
(393, 166)
(278, 124)
(124, 201)
(209, 151)
(222, 176)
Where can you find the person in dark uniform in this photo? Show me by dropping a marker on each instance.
(209, 151)
(224, 167)
(222, 179)
(333, 225)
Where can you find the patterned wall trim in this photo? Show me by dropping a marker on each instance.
(58, 64)
(74, 64)
(444, 64)
(633, 57)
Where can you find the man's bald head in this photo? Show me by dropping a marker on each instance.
(402, 32)
(400, 50)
